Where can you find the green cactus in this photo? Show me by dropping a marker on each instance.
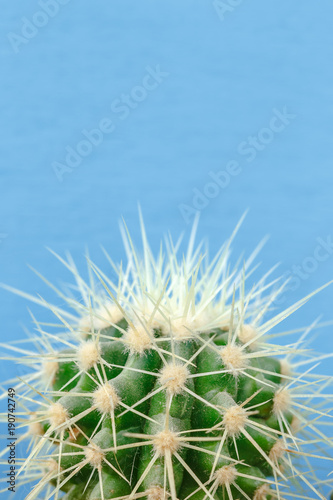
(164, 384)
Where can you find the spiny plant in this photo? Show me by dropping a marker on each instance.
(166, 383)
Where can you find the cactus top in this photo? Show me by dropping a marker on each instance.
(167, 383)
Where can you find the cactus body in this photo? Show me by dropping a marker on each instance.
(166, 386)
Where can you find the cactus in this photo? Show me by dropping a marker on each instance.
(167, 383)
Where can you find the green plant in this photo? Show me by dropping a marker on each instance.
(167, 383)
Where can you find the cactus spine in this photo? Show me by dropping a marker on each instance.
(167, 384)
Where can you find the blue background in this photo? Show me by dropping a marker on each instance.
(225, 78)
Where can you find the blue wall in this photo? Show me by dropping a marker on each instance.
(180, 93)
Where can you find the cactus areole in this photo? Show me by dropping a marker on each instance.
(167, 382)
